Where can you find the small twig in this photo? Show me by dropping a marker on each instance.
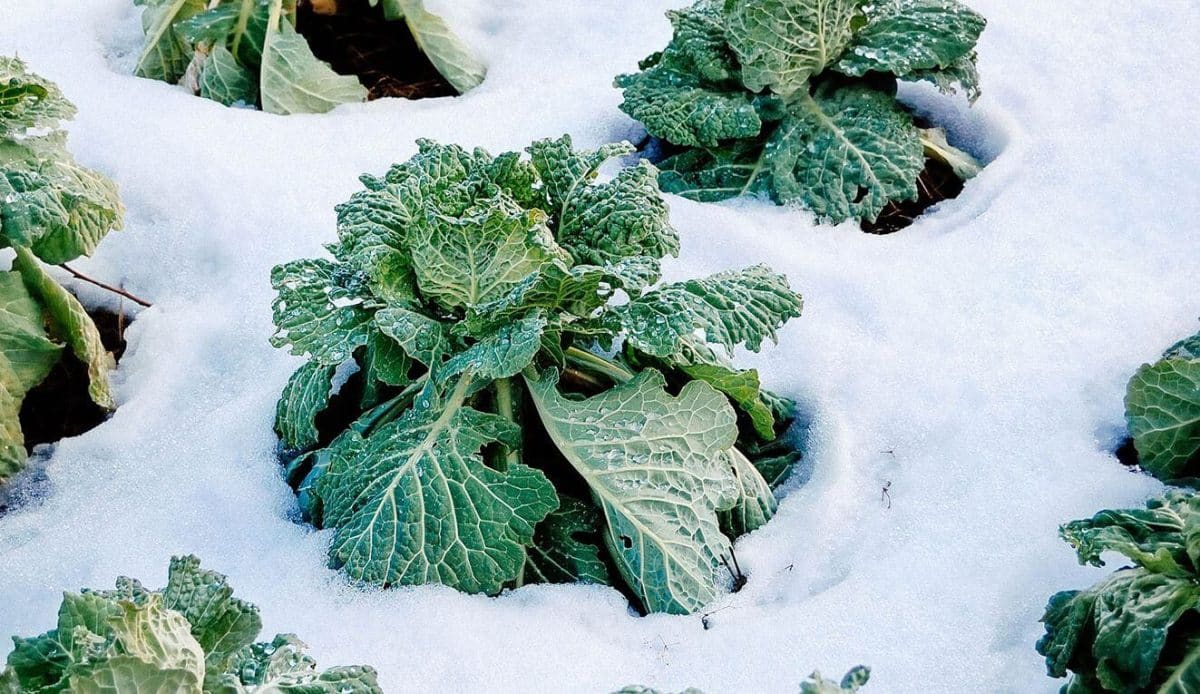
(884, 495)
(109, 287)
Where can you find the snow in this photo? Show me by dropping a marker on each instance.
(974, 364)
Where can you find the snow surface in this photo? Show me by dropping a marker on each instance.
(976, 361)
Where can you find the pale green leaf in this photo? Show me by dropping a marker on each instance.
(1162, 409)
(220, 623)
(656, 465)
(605, 223)
(782, 43)
(224, 80)
(293, 80)
(452, 58)
(49, 203)
(846, 153)
(904, 36)
(24, 345)
(851, 682)
(480, 255)
(12, 439)
(304, 397)
(28, 101)
(126, 674)
(70, 323)
(415, 504)
(165, 55)
(157, 635)
(1161, 537)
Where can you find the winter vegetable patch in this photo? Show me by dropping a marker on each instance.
(1162, 409)
(796, 99)
(251, 52)
(51, 210)
(507, 412)
(191, 636)
(1137, 630)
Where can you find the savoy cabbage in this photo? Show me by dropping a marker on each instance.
(1162, 410)
(190, 637)
(51, 210)
(796, 99)
(249, 52)
(509, 416)
(1139, 629)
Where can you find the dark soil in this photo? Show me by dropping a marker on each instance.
(383, 55)
(1126, 453)
(59, 407)
(935, 184)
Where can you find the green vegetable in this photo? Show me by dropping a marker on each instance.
(1162, 409)
(512, 416)
(189, 637)
(248, 52)
(796, 99)
(1137, 630)
(52, 211)
(815, 684)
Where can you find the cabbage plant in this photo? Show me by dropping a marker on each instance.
(51, 211)
(531, 404)
(796, 99)
(249, 52)
(1162, 409)
(190, 637)
(1137, 630)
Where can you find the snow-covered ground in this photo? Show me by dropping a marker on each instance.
(976, 361)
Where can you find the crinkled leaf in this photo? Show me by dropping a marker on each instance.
(28, 101)
(304, 397)
(1163, 537)
(1115, 630)
(225, 81)
(698, 44)
(563, 551)
(717, 173)
(675, 106)
(781, 43)
(125, 674)
(421, 337)
(293, 80)
(961, 74)
(851, 682)
(165, 55)
(607, 222)
(283, 666)
(49, 203)
(43, 662)
(846, 152)
(158, 635)
(1187, 348)
(221, 623)
(1162, 409)
(502, 354)
(482, 254)
(319, 310)
(563, 169)
(655, 464)
(70, 323)
(415, 504)
(728, 309)
(904, 36)
(452, 58)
